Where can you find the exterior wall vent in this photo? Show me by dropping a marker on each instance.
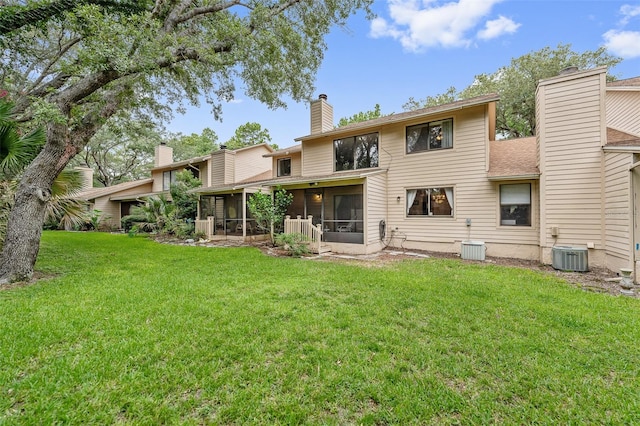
(472, 250)
(570, 258)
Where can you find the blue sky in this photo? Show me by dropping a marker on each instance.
(420, 48)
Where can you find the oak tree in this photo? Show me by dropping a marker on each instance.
(73, 73)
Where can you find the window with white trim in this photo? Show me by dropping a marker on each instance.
(430, 136)
(515, 204)
(430, 202)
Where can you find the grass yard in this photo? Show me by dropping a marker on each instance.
(131, 331)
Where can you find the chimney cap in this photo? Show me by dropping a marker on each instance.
(569, 70)
(163, 142)
(322, 96)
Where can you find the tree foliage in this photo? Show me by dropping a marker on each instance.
(39, 12)
(249, 134)
(362, 116)
(269, 210)
(121, 151)
(75, 72)
(516, 84)
(186, 203)
(16, 150)
(193, 145)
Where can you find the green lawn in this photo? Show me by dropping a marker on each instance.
(131, 331)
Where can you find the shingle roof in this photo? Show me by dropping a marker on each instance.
(629, 82)
(618, 138)
(513, 158)
(93, 193)
(285, 151)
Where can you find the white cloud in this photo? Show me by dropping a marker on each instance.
(625, 44)
(430, 23)
(235, 101)
(498, 27)
(628, 12)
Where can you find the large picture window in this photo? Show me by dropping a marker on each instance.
(356, 152)
(430, 136)
(515, 204)
(430, 202)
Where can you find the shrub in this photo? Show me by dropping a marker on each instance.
(295, 244)
(131, 220)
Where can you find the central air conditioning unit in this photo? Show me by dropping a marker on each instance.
(472, 250)
(570, 258)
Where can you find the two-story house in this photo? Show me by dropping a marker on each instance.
(410, 179)
(437, 178)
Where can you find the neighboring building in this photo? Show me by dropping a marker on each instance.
(589, 147)
(216, 168)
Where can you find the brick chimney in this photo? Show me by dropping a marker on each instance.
(164, 155)
(321, 115)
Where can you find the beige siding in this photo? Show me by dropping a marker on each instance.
(204, 173)
(571, 132)
(375, 199)
(317, 158)
(321, 114)
(217, 168)
(296, 164)
(229, 168)
(157, 180)
(622, 111)
(464, 169)
(618, 208)
(251, 162)
(110, 210)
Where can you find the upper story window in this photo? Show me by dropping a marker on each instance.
(515, 204)
(195, 171)
(430, 136)
(356, 152)
(430, 202)
(284, 167)
(168, 178)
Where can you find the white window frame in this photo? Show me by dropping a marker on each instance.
(430, 192)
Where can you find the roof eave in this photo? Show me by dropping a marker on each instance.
(376, 123)
(621, 148)
(529, 176)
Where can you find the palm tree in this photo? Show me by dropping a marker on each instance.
(157, 211)
(16, 152)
